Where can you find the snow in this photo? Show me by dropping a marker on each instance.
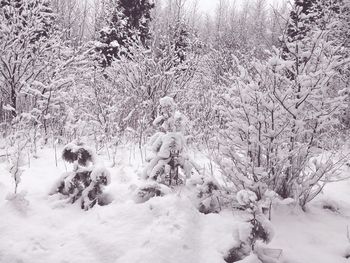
(99, 172)
(316, 236)
(114, 44)
(264, 115)
(245, 197)
(167, 102)
(8, 107)
(164, 229)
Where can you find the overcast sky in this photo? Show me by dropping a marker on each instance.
(209, 6)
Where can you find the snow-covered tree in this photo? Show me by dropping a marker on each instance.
(180, 40)
(35, 66)
(258, 228)
(87, 180)
(114, 40)
(27, 46)
(276, 123)
(138, 14)
(126, 25)
(168, 147)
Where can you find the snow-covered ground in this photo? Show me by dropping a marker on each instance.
(164, 229)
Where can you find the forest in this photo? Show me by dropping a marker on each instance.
(152, 131)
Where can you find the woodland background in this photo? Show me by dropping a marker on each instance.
(264, 89)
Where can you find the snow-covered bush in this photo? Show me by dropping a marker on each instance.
(209, 196)
(212, 196)
(149, 190)
(36, 63)
(275, 124)
(169, 164)
(86, 181)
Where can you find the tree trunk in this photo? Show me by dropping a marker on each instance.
(13, 102)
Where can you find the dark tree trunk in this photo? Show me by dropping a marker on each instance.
(13, 102)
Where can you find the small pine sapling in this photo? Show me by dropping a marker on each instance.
(78, 154)
(213, 197)
(259, 228)
(86, 181)
(210, 201)
(168, 146)
(91, 194)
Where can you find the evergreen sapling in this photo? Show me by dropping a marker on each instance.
(169, 165)
(258, 228)
(87, 180)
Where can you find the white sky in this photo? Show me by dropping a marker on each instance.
(209, 6)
